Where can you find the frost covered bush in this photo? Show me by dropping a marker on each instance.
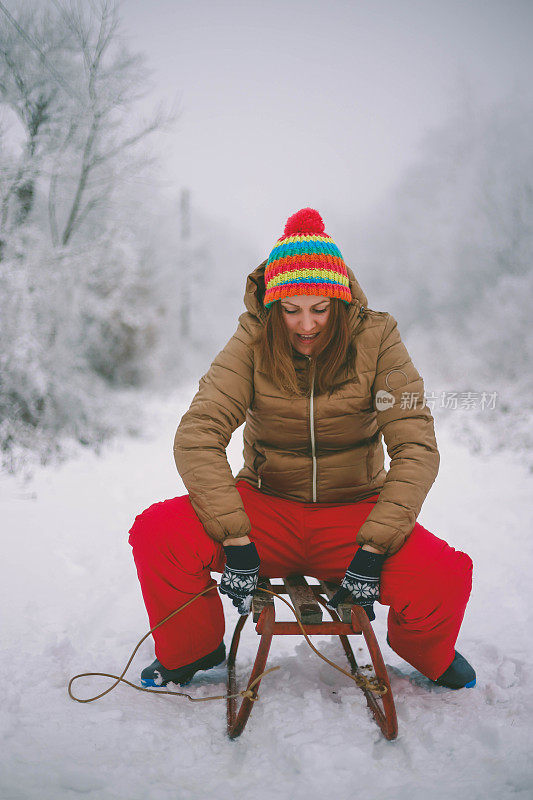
(50, 388)
(118, 327)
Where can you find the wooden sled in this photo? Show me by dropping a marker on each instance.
(308, 601)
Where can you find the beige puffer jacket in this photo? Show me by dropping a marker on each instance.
(319, 448)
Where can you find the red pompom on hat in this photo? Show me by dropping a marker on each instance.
(305, 260)
(307, 220)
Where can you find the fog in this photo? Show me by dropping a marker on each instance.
(288, 104)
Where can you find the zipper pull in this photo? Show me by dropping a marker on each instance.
(259, 481)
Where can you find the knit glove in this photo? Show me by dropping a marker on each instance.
(239, 579)
(361, 582)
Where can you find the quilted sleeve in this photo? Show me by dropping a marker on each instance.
(218, 408)
(407, 427)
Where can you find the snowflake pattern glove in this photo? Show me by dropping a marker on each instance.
(240, 576)
(361, 582)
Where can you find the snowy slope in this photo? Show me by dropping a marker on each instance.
(71, 603)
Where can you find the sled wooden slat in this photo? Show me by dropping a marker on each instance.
(303, 599)
(261, 600)
(344, 610)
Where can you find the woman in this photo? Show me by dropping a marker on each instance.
(319, 380)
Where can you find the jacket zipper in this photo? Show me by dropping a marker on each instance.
(312, 427)
(312, 420)
(312, 414)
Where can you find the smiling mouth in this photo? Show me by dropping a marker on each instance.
(307, 338)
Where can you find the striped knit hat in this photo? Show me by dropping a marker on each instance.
(305, 260)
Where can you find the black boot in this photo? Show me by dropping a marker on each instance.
(459, 675)
(158, 675)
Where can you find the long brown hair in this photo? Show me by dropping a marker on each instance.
(275, 350)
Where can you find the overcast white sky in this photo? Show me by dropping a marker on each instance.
(288, 103)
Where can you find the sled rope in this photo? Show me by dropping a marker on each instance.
(361, 681)
(121, 679)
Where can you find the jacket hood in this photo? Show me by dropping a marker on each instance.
(255, 291)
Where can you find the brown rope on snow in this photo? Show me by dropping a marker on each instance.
(361, 680)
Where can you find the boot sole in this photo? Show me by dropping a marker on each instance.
(469, 685)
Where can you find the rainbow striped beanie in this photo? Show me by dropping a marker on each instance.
(305, 260)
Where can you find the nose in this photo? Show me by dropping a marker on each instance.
(307, 323)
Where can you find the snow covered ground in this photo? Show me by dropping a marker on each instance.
(71, 603)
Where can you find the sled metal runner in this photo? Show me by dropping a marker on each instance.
(308, 601)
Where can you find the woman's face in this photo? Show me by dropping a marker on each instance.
(305, 316)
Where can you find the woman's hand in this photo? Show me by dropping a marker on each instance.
(240, 576)
(361, 581)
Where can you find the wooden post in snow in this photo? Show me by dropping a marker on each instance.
(185, 264)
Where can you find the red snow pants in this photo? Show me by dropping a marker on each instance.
(426, 583)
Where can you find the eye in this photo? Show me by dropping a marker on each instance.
(288, 311)
(321, 310)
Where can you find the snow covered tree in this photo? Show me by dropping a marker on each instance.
(32, 99)
(71, 84)
(99, 146)
(77, 289)
(461, 217)
(450, 254)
